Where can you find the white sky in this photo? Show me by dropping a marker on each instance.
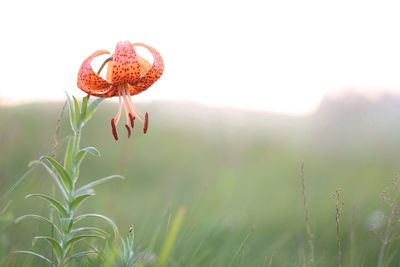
(279, 56)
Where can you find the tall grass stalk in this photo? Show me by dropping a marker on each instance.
(353, 246)
(310, 236)
(387, 236)
(171, 237)
(338, 212)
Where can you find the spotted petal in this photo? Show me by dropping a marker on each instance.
(152, 75)
(125, 66)
(89, 81)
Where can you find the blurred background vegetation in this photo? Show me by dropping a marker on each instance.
(237, 173)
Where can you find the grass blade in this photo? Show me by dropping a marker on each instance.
(9, 191)
(171, 237)
(242, 245)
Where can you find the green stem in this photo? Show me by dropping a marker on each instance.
(75, 170)
(74, 173)
(72, 168)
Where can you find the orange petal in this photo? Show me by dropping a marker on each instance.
(90, 82)
(109, 71)
(125, 66)
(144, 65)
(152, 75)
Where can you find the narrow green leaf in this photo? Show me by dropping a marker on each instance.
(79, 254)
(78, 200)
(66, 224)
(124, 247)
(71, 111)
(78, 238)
(127, 257)
(90, 185)
(62, 173)
(92, 107)
(79, 158)
(91, 150)
(84, 108)
(94, 215)
(52, 242)
(35, 254)
(69, 153)
(38, 217)
(77, 114)
(89, 229)
(56, 179)
(57, 205)
(82, 153)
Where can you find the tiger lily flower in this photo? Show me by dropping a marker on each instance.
(127, 74)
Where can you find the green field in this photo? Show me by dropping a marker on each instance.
(237, 173)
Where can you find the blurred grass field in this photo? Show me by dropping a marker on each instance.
(236, 172)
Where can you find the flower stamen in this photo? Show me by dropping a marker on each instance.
(114, 129)
(118, 115)
(135, 112)
(132, 119)
(146, 123)
(128, 129)
(127, 109)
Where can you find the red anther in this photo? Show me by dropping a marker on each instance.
(114, 129)
(146, 123)
(128, 129)
(131, 118)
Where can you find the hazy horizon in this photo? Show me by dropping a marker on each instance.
(339, 94)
